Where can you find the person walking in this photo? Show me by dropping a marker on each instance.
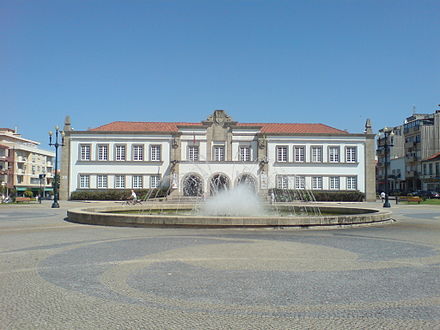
(382, 196)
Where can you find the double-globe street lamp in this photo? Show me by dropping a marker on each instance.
(58, 134)
(387, 132)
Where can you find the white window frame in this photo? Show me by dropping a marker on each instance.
(193, 153)
(154, 181)
(282, 182)
(137, 181)
(155, 153)
(351, 183)
(219, 153)
(351, 154)
(300, 182)
(119, 181)
(334, 154)
(334, 183)
(84, 181)
(317, 182)
(120, 152)
(102, 152)
(101, 181)
(85, 152)
(245, 154)
(316, 154)
(138, 152)
(282, 154)
(299, 154)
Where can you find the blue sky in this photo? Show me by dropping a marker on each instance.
(335, 62)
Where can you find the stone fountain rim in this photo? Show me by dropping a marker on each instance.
(101, 216)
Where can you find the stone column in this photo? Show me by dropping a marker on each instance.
(64, 192)
(370, 165)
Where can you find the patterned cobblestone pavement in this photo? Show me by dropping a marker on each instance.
(59, 275)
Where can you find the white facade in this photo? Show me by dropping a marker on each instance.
(122, 156)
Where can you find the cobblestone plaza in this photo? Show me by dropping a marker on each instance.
(58, 275)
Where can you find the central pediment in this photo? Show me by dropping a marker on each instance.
(220, 118)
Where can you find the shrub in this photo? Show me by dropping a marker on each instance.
(290, 195)
(115, 194)
(28, 193)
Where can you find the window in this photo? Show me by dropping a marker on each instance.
(245, 154)
(102, 152)
(437, 169)
(154, 181)
(282, 154)
(430, 168)
(120, 152)
(299, 154)
(425, 172)
(351, 155)
(193, 153)
(137, 181)
(317, 182)
(316, 154)
(351, 183)
(155, 153)
(282, 182)
(101, 181)
(300, 182)
(334, 183)
(119, 181)
(333, 154)
(84, 152)
(33, 169)
(84, 181)
(138, 152)
(219, 153)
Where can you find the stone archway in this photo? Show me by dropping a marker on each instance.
(218, 182)
(192, 185)
(248, 180)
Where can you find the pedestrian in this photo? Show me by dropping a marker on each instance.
(133, 195)
(382, 196)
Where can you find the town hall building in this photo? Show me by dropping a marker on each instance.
(198, 159)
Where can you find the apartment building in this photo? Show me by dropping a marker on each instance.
(24, 166)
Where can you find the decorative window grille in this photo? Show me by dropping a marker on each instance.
(138, 152)
(299, 154)
(84, 181)
(84, 152)
(119, 181)
(102, 152)
(282, 154)
(155, 153)
(120, 152)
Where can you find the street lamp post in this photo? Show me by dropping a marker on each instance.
(387, 133)
(57, 144)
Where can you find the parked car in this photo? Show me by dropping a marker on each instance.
(425, 194)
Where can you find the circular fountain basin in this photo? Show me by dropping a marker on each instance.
(174, 215)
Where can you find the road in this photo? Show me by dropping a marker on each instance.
(59, 275)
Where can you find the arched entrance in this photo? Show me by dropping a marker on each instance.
(192, 185)
(218, 183)
(248, 180)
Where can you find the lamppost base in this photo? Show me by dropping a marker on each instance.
(387, 204)
(55, 205)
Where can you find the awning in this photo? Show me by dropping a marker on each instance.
(21, 188)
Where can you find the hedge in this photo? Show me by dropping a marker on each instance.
(289, 195)
(115, 194)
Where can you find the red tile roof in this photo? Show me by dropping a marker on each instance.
(266, 128)
(434, 156)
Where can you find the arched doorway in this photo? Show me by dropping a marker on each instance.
(218, 183)
(248, 180)
(192, 185)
